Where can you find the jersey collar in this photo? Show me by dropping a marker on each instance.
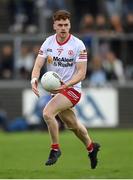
(62, 43)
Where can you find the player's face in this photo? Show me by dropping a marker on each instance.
(62, 28)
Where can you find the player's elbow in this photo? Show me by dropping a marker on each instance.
(83, 76)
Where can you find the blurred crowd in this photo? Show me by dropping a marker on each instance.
(103, 67)
(28, 16)
(90, 19)
(20, 69)
(110, 16)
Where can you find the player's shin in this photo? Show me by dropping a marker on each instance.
(52, 128)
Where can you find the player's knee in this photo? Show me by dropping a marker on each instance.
(47, 115)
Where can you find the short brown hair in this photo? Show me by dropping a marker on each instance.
(61, 14)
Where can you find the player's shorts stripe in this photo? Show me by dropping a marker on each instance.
(73, 95)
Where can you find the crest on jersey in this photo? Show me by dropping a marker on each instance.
(70, 53)
(49, 59)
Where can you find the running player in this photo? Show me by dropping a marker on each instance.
(66, 55)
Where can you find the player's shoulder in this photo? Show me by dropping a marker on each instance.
(77, 40)
(48, 40)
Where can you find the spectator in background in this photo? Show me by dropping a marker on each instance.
(116, 24)
(104, 47)
(25, 63)
(87, 30)
(7, 62)
(113, 7)
(127, 7)
(86, 7)
(50, 6)
(23, 16)
(101, 24)
(83, 7)
(114, 67)
(87, 24)
(97, 73)
(30, 25)
(128, 27)
(45, 10)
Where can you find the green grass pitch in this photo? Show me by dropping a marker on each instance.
(22, 155)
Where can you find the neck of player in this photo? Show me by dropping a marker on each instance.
(62, 39)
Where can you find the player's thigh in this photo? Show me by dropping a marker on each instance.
(57, 104)
(69, 118)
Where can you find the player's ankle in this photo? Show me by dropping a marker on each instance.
(55, 147)
(90, 147)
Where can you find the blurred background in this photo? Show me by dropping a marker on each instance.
(106, 28)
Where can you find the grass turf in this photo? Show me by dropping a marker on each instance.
(22, 155)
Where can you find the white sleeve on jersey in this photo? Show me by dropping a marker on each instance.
(81, 53)
(43, 49)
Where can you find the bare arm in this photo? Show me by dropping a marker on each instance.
(36, 73)
(79, 74)
(77, 77)
(37, 67)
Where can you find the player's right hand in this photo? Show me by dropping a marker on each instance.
(34, 85)
(63, 86)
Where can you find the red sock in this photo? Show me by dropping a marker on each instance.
(55, 147)
(90, 147)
